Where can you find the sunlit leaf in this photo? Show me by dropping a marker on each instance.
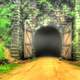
(4, 22)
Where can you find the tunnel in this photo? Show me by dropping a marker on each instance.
(47, 42)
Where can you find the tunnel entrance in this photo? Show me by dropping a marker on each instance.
(47, 42)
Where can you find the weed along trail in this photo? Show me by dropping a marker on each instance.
(45, 68)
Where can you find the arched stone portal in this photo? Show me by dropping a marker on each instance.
(47, 41)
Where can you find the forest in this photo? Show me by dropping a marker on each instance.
(20, 19)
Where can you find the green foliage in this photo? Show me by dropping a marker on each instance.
(44, 8)
(68, 11)
(4, 1)
(7, 67)
(5, 23)
(5, 15)
(5, 19)
(74, 14)
(2, 56)
(46, 4)
(76, 40)
(37, 10)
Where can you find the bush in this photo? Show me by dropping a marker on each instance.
(7, 67)
(2, 56)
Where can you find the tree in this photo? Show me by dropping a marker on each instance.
(76, 40)
(5, 23)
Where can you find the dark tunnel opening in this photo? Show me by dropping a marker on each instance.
(47, 42)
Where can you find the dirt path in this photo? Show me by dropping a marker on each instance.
(46, 68)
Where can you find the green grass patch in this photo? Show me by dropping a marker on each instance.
(77, 64)
(7, 67)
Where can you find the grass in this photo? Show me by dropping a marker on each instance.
(7, 67)
(77, 64)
